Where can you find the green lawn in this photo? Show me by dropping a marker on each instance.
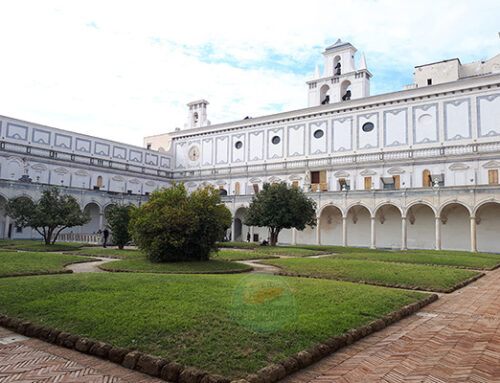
(427, 257)
(144, 265)
(239, 255)
(218, 323)
(110, 253)
(432, 278)
(14, 262)
(32, 245)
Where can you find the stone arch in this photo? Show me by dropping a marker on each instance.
(330, 225)
(455, 226)
(385, 203)
(388, 225)
(487, 216)
(358, 225)
(239, 228)
(420, 225)
(451, 202)
(93, 209)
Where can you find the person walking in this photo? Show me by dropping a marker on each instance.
(105, 235)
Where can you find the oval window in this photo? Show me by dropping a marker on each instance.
(318, 133)
(276, 140)
(238, 145)
(368, 127)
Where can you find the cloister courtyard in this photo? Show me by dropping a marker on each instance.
(299, 313)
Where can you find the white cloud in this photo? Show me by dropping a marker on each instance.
(123, 69)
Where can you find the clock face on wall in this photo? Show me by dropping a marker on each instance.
(194, 153)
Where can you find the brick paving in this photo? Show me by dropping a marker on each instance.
(32, 360)
(455, 339)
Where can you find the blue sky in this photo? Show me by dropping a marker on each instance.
(124, 70)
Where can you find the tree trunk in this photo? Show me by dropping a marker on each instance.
(274, 237)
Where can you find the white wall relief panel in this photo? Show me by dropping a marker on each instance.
(296, 140)
(425, 123)
(342, 134)
(221, 150)
(318, 137)
(275, 143)
(180, 154)
(457, 124)
(256, 146)
(238, 147)
(207, 150)
(488, 115)
(396, 127)
(368, 134)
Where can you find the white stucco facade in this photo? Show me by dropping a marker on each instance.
(417, 168)
(384, 169)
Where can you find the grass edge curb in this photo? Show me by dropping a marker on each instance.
(237, 271)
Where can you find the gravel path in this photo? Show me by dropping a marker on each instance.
(90, 267)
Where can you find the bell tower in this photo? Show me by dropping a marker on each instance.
(341, 81)
(197, 114)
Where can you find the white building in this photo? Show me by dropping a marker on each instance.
(416, 168)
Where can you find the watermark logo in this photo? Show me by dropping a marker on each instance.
(263, 303)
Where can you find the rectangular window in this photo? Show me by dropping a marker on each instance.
(388, 182)
(493, 176)
(429, 81)
(255, 188)
(368, 183)
(344, 184)
(315, 177)
(237, 188)
(295, 183)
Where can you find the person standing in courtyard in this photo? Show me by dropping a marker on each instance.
(105, 235)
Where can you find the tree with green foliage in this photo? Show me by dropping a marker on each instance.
(53, 213)
(177, 226)
(279, 207)
(118, 217)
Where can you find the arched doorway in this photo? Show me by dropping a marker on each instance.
(93, 226)
(421, 230)
(388, 227)
(455, 227)
(426, 178)
(488, 227)
(240, 230)
(331, 226)
(358, 226)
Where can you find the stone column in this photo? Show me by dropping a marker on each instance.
(404, 237)
(101, 221)
(318, 232)
(473, 237)
(251, 233)
(294, 236)
(344, 231)
(373, 245)
(438, 233)
(7, 223)
(233, 226)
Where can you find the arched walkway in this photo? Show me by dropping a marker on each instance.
(239, 230)
(420, 223)
(488, 227)
(94, 224)
(358, 226)
(455, 227)
(388, 227)
(330, 224)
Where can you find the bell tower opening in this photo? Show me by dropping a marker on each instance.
(337, 66)
(197, 117)
(345, 90)
(324, 96)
